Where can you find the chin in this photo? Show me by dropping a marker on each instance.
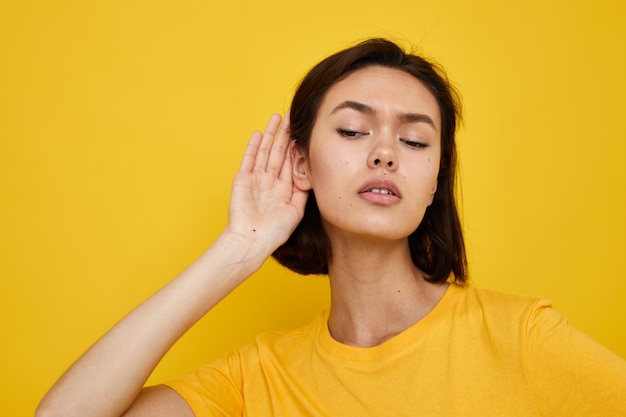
(371, 233)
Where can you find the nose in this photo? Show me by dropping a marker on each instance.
(383, 155)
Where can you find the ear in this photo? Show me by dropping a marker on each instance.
(299, 167)
(432, 193)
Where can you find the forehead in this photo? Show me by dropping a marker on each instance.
(386, 90)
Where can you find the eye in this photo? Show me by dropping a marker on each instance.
(413, 144)
(350, 133)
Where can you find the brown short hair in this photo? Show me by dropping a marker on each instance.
(437, 245)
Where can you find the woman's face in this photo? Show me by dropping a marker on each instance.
(374, 154)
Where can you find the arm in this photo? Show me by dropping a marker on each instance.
(570, 373)
(265, 208)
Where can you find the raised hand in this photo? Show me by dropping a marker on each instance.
(265, 204)
(265, 208)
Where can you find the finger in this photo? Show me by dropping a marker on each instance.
(279, 148)
(285, 169)
(298, 200)
(263, 151)
(249, 155)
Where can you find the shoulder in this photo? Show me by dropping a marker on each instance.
(497, 319)
(225, 377)
(486, 303)
(500, 298)
(283, 343)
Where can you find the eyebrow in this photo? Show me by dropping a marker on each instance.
(365, 109)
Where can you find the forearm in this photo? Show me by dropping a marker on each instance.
(265, 209)
(108, 377)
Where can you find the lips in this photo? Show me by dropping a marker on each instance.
(381, 187)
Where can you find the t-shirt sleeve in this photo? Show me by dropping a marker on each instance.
(213, 389)
(570, 373)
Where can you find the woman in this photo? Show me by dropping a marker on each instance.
(365, 193)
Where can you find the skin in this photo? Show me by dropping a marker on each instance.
(108, 379)
(352, 145)
(377, 124)
(376, 290)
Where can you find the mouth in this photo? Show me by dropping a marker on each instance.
(380, 191)
(382, 188)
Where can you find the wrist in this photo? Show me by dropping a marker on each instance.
(241, 253)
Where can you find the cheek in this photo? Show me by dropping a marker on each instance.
(330, 182)
(423, 180)
(326, 168)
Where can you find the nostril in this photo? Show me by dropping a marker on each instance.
(384, 161)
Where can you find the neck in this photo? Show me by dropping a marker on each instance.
(377, 292)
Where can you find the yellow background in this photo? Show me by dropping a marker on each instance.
(122, 123)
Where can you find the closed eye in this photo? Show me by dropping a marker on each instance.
(413, 144)
(350, 133)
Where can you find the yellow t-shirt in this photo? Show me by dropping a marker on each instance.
(477, 353)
